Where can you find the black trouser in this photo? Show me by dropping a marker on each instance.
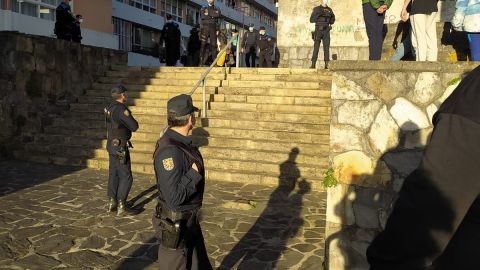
(374, 25)
(251, 54)
(208, 32)
(120, 177)
(321, 35)
(265, 58)
(435, 223)
(192, 257)
(172, 50)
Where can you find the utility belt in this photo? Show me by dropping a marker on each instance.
(174, 226)
(323, 27)
(122, 153)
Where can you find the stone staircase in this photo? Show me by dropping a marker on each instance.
(262, 124)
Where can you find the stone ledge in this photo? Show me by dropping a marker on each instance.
(403, 66)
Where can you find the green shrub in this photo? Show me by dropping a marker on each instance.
(329, 179)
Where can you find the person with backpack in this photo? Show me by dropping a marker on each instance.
(171, 35)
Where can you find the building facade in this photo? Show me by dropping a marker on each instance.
(133, 25)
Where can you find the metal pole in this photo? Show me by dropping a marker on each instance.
(204, 110)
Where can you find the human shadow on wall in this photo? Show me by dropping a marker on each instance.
(402, 37)
(457, 39)
(262, 246)
(371, 206)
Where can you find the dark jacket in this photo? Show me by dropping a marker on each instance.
(193, 43)
(180, 186)
(64, 20)
(209, 15)
(265, 43)
(120, 124)
(171, 34)
(322, 16)
(249, 40)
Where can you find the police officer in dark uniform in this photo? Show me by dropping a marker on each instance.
(209, 16)
(120, 125)
(180, 173)
(249, 46)
(171, 35)
(323, 18)
(265, 48)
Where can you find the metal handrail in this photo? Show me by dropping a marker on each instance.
(202, 81)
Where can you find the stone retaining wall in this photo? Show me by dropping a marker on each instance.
(39, 78)
(381, 121)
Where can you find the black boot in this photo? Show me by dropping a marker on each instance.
(326, 64)
(124, 208)
(313, 65)
(112, 205)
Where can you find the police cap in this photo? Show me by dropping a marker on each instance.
(181, 105)
(118, 89)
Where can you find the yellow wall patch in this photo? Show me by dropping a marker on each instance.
(168, 164)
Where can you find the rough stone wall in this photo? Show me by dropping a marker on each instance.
(381, 121)
(39, 78)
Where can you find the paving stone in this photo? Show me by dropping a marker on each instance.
(68, 219)
(86, 258)
(37, 261)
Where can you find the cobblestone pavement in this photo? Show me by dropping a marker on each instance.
(55, 217)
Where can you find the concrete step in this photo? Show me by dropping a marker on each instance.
(161, 82)
(146, 94)
(145, 134)
(252, 107)
(155, 124)
(208, 152)
(277, 92)
(152, 88)
(160, 117)
(277, 71)
(163, 75)
(149, 102)
(320, 148)
(199, 70)
(315, 77)
(275, 84)
(212, 174)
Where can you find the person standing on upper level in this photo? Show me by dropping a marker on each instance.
(249, 46)
(423, 18)
(171, 35)
(209, 15)
(467, 18)
(265, 48)
(374, 16)
(323, 17)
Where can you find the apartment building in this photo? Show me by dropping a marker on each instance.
(133, 25)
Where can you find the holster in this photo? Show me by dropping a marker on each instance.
(122, 153)
(173, 227)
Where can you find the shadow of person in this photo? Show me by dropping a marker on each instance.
(262, 246)
(366, 207)
(457, 39)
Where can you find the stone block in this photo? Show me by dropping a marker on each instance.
(431, 110)
(366, 217)
(447, 93)
(356, 168)
(408, 116)
(384, 132)
(427, 88)
(416, 138)
(24, 44)
(293, 53)
(303, 53)
(345, 138)
(358, 113)
(387, 86)
(344, 88)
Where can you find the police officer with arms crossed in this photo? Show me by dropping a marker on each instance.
(120, 125)
(265, 48)
(323, 18)
(180, 173)
(209, 16)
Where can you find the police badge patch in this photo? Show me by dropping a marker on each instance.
(168, 164)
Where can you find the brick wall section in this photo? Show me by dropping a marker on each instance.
(39, 78)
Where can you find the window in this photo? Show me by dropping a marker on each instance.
(192, 16)
(146, 5)
(44, 9)
(123, 30)
(174, 8)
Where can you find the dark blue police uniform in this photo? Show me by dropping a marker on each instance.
(323, 17)
(120, 125)
(181, 190)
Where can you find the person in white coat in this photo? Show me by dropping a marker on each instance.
(467, 18)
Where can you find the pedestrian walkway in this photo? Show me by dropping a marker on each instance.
(54, 217)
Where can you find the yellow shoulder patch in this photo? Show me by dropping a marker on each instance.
(168, 164)
(126, 112)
